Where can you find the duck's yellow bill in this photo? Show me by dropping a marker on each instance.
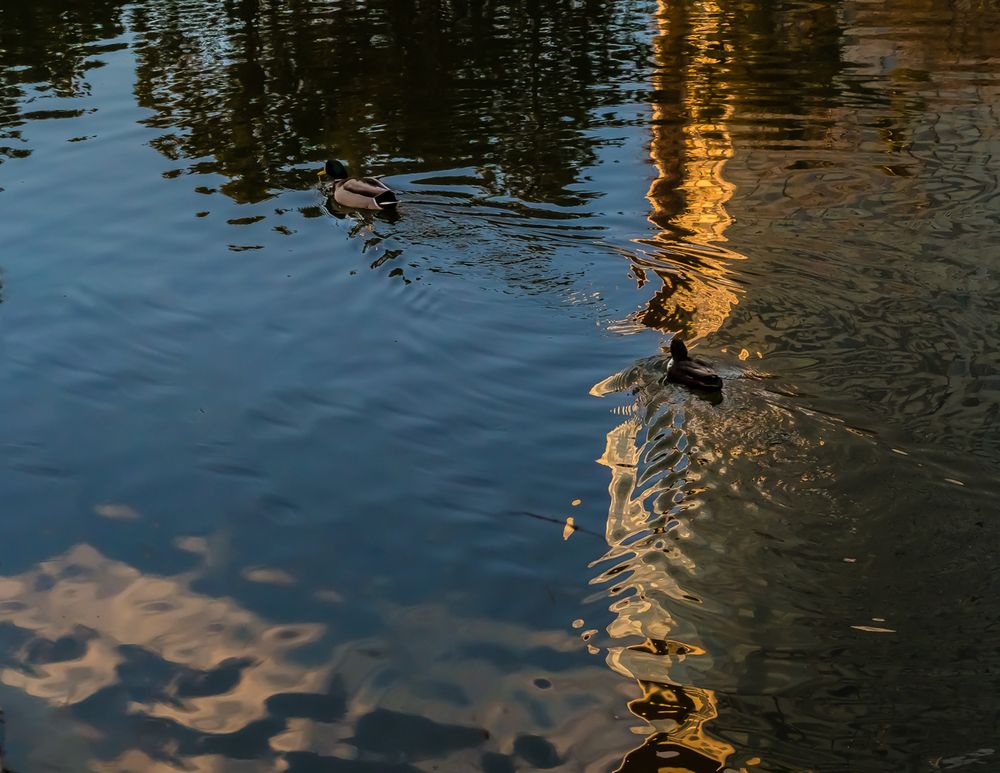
(321, 172)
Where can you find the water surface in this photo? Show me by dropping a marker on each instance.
(286, 487)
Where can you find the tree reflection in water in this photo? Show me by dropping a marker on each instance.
(249, 89)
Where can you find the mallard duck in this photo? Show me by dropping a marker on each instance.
(692, 373)
(354, 192)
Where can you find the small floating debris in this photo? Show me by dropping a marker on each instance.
(569, 528)
(956, 482)
(873, 629)
(268, 576)
(972, 758)
(115, 511)
(576, 502)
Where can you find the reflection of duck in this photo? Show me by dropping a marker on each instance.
(692, 373)
(354, 192)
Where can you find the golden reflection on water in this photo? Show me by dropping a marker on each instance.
(84, 595)
(690, 147)
(675, 714)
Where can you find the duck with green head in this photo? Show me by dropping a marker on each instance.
(355, 192)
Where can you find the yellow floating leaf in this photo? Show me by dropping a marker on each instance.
(576, 502)
(744, 354)
(569, 528)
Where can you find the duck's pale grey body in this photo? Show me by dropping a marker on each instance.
(356, 192)
(361, 193)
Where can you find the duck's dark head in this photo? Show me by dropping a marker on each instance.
(334, 170)
(678, 350)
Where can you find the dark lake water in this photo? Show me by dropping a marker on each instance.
(286, 488)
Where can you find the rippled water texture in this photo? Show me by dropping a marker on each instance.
(286, 487)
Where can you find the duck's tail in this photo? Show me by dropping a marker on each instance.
(711, 382)
(386, 200)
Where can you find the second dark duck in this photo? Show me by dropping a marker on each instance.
(690, 372)
(355, 192)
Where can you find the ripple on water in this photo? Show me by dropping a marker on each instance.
(731, 529)
(320, 420)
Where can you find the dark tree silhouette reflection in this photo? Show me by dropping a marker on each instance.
(46, 48)
(250, 88)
